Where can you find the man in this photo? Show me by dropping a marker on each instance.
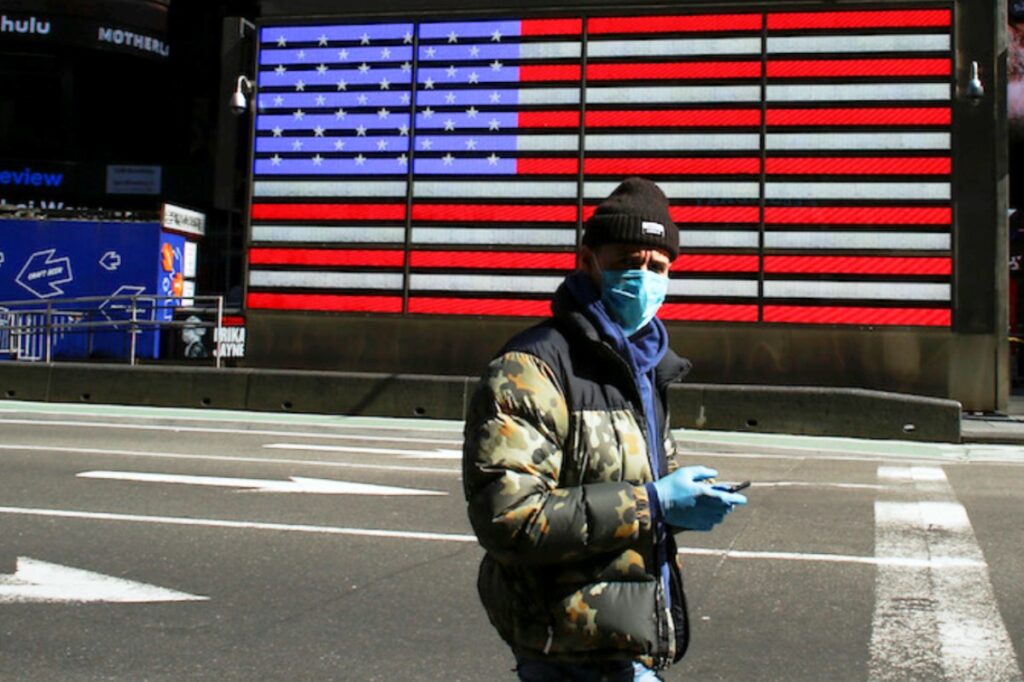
(569, 465)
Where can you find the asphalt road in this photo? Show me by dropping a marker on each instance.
(855, 560)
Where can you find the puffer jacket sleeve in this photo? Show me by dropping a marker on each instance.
(516, 431)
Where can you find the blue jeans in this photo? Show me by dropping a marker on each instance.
(536, 670)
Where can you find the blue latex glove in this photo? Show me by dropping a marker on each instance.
(687, 502)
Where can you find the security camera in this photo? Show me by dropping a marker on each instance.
(239, 103)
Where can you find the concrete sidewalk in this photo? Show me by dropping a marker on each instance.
(996, 428)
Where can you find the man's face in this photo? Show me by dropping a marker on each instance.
(619, 256)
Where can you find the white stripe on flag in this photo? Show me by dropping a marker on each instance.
(866, 92)
(858, 190)
(883, 241)
(712, 287)
(488, 283)
(676, 48)
(503, 189)
(329, 188)
(496, 236)
(848, 43)
(320, 279)
(550, 96)
(861, 141)
(328, 234)
(896, 291)
(547, 143)
(550, 50)
(685, 190)
(681, 94)
(672, 142)
(739, 239)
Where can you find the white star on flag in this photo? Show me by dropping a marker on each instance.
(450, 98)
(471, 144)
(428, 112)
(323, 40)
(360, 160)
(383, 113)
(318, 131)
(496, 36)
(339, 144)
(474, 78)
(320, 100)
(297, 145)
(275, 160)
(448, 158)
(385, 53)
(404, 98)
(364, 68)
(365, 39)
(492, 159)
(452, 71)
(342, 85)
(494, 124)
(361, 99)
(407, 38)
(449, 125)
(340, 114)
(385, 84)
(403, 160)
(322, 69)
(277, 131)
(428, 84)
(426, 143)
(406, 67)
(300, 87)
(281, 42)
(361, 131)
(301, 55)
(495, 96)
(403, 130)
(280, 70)
(342, 55)
(299, 114)
(496, 65)
(474, 51)
(278, 101)
(317, 160)
(382, 145)
(471, 112)
(430, 52)
(453, 37)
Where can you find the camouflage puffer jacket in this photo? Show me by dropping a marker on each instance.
(554, 465)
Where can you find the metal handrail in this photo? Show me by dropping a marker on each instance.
(133, 305)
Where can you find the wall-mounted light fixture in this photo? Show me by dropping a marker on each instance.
(240, 97)
(975, 88)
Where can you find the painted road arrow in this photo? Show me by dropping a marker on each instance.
(42, 273)
(40, 582)
(295, 484)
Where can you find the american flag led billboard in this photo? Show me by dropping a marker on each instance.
(446, 167)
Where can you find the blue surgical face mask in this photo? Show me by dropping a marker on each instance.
(633, 297)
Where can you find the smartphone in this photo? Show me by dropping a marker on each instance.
(733, 488)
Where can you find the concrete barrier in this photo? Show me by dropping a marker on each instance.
(819, 411)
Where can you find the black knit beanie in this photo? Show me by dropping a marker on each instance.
(635, 213)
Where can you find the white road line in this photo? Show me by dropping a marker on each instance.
(226, 458)
(813, 484)
(294, 484)
(426, 454)
(458, 537)
(928, 624)
(233, 432)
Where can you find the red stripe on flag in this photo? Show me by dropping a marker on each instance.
(325, 303)
(493, 260)
(708, 312)
(327, 257)
(853, 117)
(504, 213)
(908, 317)
(671, 166)
(547, 166)
(715, 214)
(673, 117)
(672, 71)
(860, 165)
(551, 27)
(549, 119)
(479, 306)
(840, 68)
(715, 263)
(675, 24)
(328, 211)
(859, 19)
(536, 73)
(897, 215)
(853, 265)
